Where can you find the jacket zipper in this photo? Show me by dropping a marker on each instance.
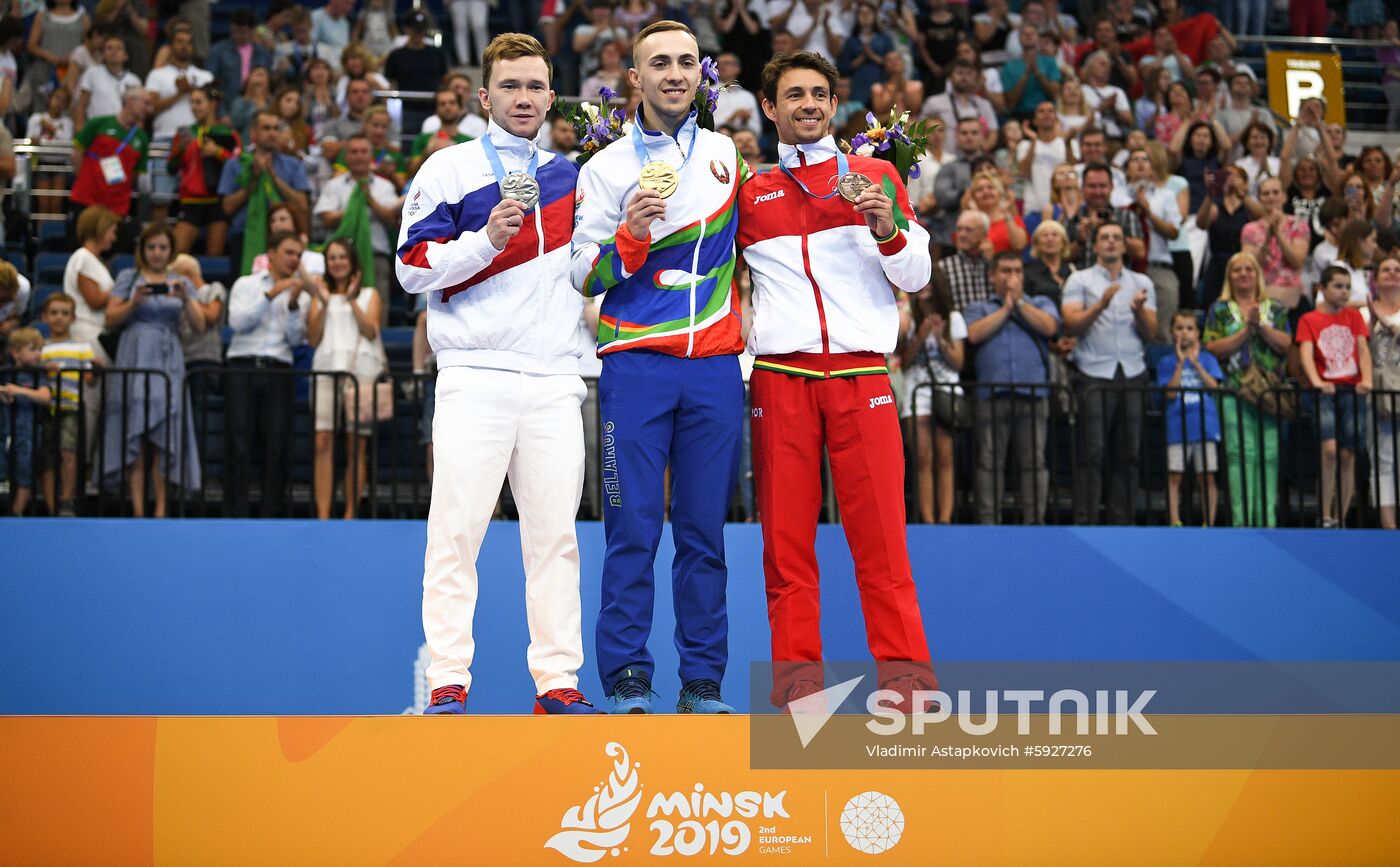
(816, 290)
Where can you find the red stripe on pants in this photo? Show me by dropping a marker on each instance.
(855, 418)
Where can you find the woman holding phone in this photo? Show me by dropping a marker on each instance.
(1223, 213)
(150, 301)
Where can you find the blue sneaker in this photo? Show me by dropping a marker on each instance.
(701, 696)
(632, 693)
(564, 701)
(447, 699)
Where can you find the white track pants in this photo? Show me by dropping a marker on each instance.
(490, 424)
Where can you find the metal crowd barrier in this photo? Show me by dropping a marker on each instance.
(1268, 468)
(1016, 459)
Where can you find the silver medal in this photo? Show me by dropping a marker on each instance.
(521, 187)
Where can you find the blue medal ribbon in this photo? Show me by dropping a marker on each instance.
(842, 167)
(495, 160)
(639, 145)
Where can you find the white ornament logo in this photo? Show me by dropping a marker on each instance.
(601, 825)
(872, 822)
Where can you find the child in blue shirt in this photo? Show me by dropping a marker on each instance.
(1191, 433)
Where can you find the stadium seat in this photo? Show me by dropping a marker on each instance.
(121, 262)
(19, 260)
(42, 291)
(49, 267)
(217, 269)
(53, 235)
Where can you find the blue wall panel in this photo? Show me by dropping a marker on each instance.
(288, 617)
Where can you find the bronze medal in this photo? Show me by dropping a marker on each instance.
(852, 184)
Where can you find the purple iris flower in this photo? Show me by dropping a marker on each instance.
(870, 119)
(708, 70)
(913, 171)
(859, 140)
(606, 94)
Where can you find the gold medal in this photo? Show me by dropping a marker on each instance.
(659, 176)
(852, 184)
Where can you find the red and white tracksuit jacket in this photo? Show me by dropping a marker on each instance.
(824, 319)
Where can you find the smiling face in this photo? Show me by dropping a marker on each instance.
(667, 72)
(804, 108)
(338, 263)
(985, 193)
(1271, 194)
(1257, 142)
(969, 232)
(1049, 243)
(1244, 277)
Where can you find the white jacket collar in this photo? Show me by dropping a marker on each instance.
(508, 144)
(651, 138)
(794, 155)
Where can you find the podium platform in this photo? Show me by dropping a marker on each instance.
(521, 791)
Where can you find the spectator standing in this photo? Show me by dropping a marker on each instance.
(101, 88)
(992, 29)
(1280, 243)
(1224, 214)
(1245, 328)
(898, 92)
(63, 430)
(1040, 154)
(863, 54)
(376, 29)
(122, 18)
(20, 396)
(86, 280)
(343, 325)
(1030, 79)
(1010, 333)
(331, 23)
(962, 101)
(450, 110)
(1107, 99)
(388, 160)
(14, 299)
(232, 60)
(170, 87)
(1157, 209)
(268, 322)
(1334, 348)
(936, 38)
(357, 64)
(293, 57)
(956, 176)
(363, 205)
(1193, 426)
(1006, 231)
(261, 176)
(146, 420)
(609, 74)
(966, 269)
(816, 25)
(589, 39)
(256, 97)
(1047, 270)
(931, 355)
(416, 65)
(1356, 248)
(1112, 310)
(469, 18)
(197, 157)
(1388, 56)
(57, 32)
(737, 107)
(359, 99)
(48, 127)
(1197, 151)
(1075, 114)
(1258, 161)
(319, 95)
(108, 153)
(1385, 365)
(203, 349)
(1097, 210)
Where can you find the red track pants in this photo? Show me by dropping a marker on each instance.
(855, 418)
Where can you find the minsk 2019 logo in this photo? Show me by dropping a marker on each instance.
(600, 826)
(685, 822)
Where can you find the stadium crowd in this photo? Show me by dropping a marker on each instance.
(1118, 221)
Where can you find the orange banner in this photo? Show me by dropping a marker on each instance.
(558, 791)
